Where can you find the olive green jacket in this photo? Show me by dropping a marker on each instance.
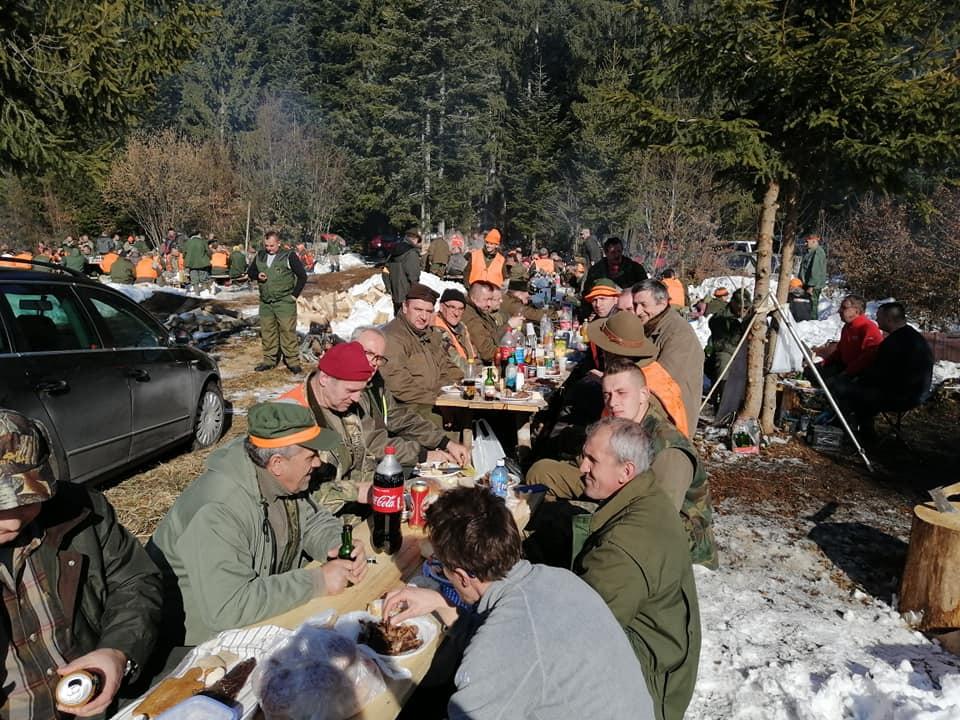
(512, 306)
(419, 364)
(122, 272)
(696, 513)
(635, 556)
(218, 552)
(196, 254)
(485, 330)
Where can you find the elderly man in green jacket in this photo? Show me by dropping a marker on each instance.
(633, 551)
(235, 545)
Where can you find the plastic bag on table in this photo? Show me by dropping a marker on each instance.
(486, 448)
(317, 674)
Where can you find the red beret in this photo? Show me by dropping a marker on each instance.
(346, 361)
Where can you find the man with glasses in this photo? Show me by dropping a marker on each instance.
(419, 365)
(387, 422)
(456, 337)
(540, 642)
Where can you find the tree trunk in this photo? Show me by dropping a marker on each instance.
(792, 201)
(930, 583)
(754, 395)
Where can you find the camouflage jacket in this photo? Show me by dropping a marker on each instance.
(697, 509)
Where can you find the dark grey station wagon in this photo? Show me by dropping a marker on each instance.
(109, 382)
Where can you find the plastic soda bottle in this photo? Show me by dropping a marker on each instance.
(387, 503)
(510, 375)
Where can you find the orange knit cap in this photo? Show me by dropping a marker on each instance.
(492, 238)
(721, 292)
(796, 283)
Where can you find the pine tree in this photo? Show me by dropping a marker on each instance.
(74, 72)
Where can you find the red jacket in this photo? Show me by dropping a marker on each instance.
(859, 341)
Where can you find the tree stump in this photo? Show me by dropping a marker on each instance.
(931, 577)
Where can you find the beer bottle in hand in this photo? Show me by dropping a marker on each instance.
(346, 542)
(387, 503)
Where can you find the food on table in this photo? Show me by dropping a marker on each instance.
(316, 674)
(389, 639)
(229, 686)
(169, 692)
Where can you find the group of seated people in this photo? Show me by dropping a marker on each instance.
(235, 547)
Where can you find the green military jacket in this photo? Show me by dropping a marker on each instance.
(218, 553)
(635, 556)
(73, 259)
(813, 268)
(281, 280)
(122, 271)
(196, 254)
(238, 264)
(697, 510)
(387, 422)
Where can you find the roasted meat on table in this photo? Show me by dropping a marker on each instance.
(389, 639)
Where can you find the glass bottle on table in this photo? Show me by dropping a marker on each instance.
(489, 386)
(346, 542)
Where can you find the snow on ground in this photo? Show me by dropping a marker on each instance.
(783, 641)
(363, 312)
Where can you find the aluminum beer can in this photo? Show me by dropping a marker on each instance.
(78, 688)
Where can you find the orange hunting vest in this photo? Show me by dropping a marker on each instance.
(440, 323)
(479, 270)
(545, 265)
(107, 261)
(666, 390)
(22, 256)
(173, 262)
(675, 288)
(219, 260)
(297, 394)
(145, 269)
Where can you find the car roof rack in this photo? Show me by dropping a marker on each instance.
(41, 263)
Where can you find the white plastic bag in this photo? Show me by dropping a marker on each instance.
(486, 448)
(317, 674)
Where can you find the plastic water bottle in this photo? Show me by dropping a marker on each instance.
(499, 479)
(387, 503)
(510, 376)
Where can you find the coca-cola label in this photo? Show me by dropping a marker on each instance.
(387, 500)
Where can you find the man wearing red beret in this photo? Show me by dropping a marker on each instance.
(332, 392)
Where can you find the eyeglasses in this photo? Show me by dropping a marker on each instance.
(374, 359)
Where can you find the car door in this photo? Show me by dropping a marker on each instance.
(161, 382)
(62, 367)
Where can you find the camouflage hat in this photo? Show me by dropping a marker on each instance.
(281, 424)
(26, 476)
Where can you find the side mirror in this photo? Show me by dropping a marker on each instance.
(181, 337)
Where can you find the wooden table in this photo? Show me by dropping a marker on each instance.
(389, 573)
(525, 411)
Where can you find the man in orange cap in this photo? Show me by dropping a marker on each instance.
(801, 306)
(487, 265)
(720, 297)
(604, 298)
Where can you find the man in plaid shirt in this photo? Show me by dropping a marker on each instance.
(79, 591)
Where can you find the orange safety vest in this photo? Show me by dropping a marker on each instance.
(145, 269)
(664, 387)
(479, 270)
(298, 395)
(219, 260)
(170, 265)
(22, 256)
(545, 265)
(675, 289)
(107, 261)
(439, 322)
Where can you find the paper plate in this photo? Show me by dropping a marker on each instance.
(349, 625)
(451, 389)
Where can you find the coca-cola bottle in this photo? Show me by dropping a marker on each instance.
(387, 503)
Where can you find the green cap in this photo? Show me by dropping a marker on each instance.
(281, 424)
(25, 473)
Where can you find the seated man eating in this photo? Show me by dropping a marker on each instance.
(540, 643)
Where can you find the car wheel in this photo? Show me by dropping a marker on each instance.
(211, 412)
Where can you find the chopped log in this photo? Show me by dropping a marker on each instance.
(931, 576)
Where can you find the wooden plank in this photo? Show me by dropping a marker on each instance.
(459, 402)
